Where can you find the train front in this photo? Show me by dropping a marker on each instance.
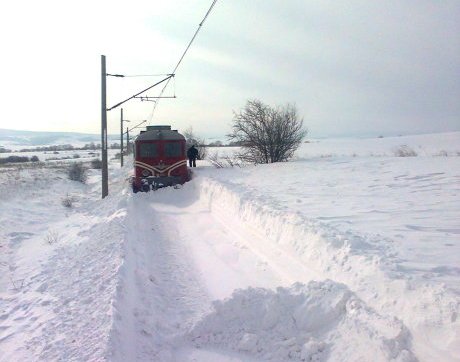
(159, 159)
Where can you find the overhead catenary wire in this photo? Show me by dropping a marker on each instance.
(183, 55)
(136, 126)
(136, 75)
(145, 75)
(142, 91)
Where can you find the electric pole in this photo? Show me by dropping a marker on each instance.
(127, 140)
(104, 110)
(105, 173)
(121, 138)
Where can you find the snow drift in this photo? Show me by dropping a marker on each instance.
(365, 264)
(315, 322)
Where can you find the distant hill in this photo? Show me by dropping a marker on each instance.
(14, 138)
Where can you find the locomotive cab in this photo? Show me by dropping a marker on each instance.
(159, 159)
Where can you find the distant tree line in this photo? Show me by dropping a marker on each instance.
(65, 147)
(18, 159)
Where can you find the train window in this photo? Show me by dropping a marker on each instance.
(148, 150)
(173, 149)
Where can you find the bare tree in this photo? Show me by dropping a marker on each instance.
(192, 140)
(267, 134)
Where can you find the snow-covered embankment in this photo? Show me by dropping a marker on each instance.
(399, 313)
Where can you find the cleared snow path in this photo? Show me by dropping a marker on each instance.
(158, 297)
(185, 248)
(165, 287)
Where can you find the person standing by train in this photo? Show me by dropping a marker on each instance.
(192, 154)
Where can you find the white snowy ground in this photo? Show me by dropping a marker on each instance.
(65, 155)
(347, 253)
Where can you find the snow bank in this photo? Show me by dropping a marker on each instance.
(365, 264)
(59, 268)
(315, 322)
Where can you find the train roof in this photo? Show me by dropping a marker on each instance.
(157, 133)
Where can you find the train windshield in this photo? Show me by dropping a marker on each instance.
(148, 150)
(173, 149)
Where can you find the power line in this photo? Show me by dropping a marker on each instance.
(145, 75)
(194, 36)
(142, 91)
(136, 75)
(183, 55)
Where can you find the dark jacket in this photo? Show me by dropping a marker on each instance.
(192, 152)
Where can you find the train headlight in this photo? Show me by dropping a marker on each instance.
(145, 173)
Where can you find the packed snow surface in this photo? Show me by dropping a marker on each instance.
(347, 253)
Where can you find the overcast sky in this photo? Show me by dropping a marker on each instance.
(351, 67)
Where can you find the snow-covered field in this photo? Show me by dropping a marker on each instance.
(347, 253)
(65, 155)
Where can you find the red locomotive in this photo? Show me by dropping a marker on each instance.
(159, 159)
